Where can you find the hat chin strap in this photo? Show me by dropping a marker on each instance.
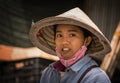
(85, 41)
(77, 56)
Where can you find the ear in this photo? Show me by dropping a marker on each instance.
(88, 40)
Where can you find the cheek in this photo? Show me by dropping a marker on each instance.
(77, 44)
(57, 43)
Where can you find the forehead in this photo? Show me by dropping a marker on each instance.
(64, 27)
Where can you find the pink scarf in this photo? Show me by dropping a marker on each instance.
(78, 55)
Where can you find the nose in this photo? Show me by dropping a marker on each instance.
(65, 41)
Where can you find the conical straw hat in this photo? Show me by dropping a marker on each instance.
(42, 34)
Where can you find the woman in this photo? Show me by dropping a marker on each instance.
(74, 38)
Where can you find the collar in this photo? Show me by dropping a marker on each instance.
(79, 64)
(59, 66)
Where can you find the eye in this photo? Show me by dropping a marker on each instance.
(59, 35)
(72, 35)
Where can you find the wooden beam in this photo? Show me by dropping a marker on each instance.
(110, 60)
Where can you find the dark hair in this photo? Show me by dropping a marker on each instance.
(86, 33)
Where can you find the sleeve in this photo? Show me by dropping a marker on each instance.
(50, 75)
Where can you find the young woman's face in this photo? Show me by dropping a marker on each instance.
(68, 39)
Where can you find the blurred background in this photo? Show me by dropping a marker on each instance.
(16, 17)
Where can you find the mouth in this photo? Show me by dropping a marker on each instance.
(65, 50)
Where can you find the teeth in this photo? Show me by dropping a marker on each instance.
(65, 49)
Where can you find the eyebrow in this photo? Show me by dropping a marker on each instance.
(68, 31)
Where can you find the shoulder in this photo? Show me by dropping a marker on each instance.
(50, 72)
(49, 68)
(96, 75)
